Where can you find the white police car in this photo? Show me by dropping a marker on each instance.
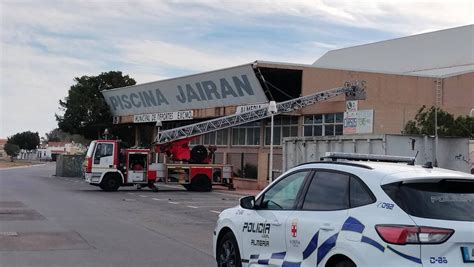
(345, 214)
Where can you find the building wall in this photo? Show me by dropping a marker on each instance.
(458, 94)
(3, 154)
(394, 98)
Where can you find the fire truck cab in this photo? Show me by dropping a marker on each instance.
(109, 166)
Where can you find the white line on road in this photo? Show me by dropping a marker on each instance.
(131, 193)
(142, 196)
(172, 186)
(193, 207)
(205, 202)
(215, 211)
(157, 199)
(215, 206)
(175, 203)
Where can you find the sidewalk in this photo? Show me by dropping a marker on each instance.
(237, 191)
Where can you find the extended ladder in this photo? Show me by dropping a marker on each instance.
(353, 91)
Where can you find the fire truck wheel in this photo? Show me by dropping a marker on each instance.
(201, 183)
(110, 183)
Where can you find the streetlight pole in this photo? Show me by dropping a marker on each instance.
(158, 125)
(272, 109)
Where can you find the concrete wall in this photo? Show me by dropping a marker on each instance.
(453, 153)
(69, 165)
(471, 156)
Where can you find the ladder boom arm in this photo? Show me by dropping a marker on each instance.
(353, 91)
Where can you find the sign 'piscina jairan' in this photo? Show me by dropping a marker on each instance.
(233, 86)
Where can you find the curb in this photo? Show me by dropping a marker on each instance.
(23, 167)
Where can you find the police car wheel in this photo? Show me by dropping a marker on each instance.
(228, 254)
(345, 263)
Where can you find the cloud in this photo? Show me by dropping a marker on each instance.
(32, 85)
(45, 44)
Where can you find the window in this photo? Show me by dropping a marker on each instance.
(218, 138)
(247, 134)
(282, 196)
(444, 199)
(168, 125)
(106, 150)
(323, 124)
(103, 150)
(284, 126)
(328, 191)
(360, 195)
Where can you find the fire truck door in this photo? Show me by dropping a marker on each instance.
(104, 156)
(137, 167)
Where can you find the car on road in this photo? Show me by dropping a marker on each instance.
(348, 213)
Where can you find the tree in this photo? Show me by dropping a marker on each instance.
(424, 124)
(25, 140)
(85, 110)
(12, 150)
(57, 135)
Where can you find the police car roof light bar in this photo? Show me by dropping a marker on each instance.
(368, 157)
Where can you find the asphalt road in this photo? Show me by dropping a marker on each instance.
(53, 221)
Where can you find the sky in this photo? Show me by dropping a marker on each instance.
(45, 44)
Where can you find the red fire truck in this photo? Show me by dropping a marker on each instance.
(109, 165)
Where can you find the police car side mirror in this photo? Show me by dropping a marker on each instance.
(247, 202)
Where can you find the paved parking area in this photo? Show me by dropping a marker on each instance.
(47, 220)
(213, 202)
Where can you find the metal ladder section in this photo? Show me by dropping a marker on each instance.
(354, 90)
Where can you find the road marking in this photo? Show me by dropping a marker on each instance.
(142, 196)
(173, 186)
(216, 206)
(193, 207)
(215, 211)
(131, 193)
(205, 202)
(157, 199)
(175, 203)
(8, 233)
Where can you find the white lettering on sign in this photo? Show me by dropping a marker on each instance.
(164, 116)
(242, 109)
(227, 87)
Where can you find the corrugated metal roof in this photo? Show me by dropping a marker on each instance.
(440, 53)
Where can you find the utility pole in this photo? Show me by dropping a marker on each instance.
(272, 109)
(438, 104)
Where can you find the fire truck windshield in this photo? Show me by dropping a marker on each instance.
(90, 150)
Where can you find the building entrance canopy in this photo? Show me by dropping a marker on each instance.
(227, 87)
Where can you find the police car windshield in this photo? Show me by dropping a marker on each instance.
(444, 199)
